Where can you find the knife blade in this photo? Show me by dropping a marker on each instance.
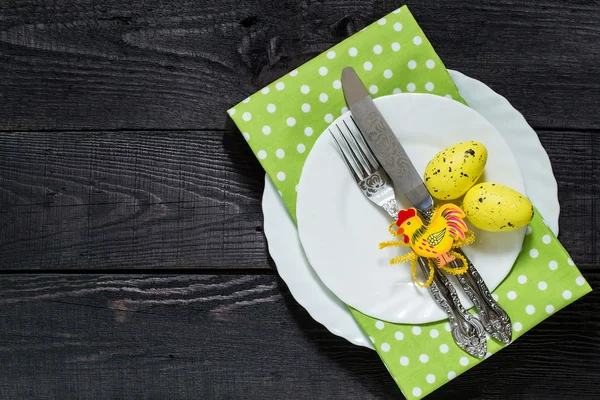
(394, 160)
(383, 142)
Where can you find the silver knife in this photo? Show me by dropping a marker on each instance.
(397, 164)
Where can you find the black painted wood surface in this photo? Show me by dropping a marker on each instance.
(116, 157)
(79, 64)
(241, 337)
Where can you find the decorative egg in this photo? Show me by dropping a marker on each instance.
(454, 170)
(497, 208)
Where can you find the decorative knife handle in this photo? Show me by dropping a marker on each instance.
(467, 331)
(493, 317)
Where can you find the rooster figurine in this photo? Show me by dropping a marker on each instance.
(435, 241)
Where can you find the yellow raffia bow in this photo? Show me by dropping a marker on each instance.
(412, 256)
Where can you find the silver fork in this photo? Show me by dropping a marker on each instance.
(467, 331)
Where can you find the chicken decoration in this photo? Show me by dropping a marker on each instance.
(435, 241)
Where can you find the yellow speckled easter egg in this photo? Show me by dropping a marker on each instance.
(497, 208)
(454, 170)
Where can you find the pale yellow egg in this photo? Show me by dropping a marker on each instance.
(454, 170)
(497, 208)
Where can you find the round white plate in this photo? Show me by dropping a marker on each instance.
(302, 281)
(340, 230)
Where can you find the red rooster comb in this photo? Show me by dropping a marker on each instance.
(403, 215)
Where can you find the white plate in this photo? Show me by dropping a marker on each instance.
(340, 230)
(320, 302)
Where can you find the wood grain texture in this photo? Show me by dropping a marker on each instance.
(576, 166)
(80, 64)
(190, 199)
(129, 200)
(242, 337)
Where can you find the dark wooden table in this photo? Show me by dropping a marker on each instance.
(130, 216)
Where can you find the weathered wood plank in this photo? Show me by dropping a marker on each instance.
(105, 200)
(190, 199)
(242, 337)
(76, 64)
(576, 166)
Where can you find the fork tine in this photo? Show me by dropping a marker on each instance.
(360, 150)
(345, 158)
(354, 156)
(367, 147)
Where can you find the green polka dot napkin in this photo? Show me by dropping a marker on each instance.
(281, 124)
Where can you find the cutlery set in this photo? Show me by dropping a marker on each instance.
(377, 162)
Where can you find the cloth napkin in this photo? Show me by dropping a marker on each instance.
(281, 123)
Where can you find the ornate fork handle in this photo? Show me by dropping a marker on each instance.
(467, 331)
(493, 317)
